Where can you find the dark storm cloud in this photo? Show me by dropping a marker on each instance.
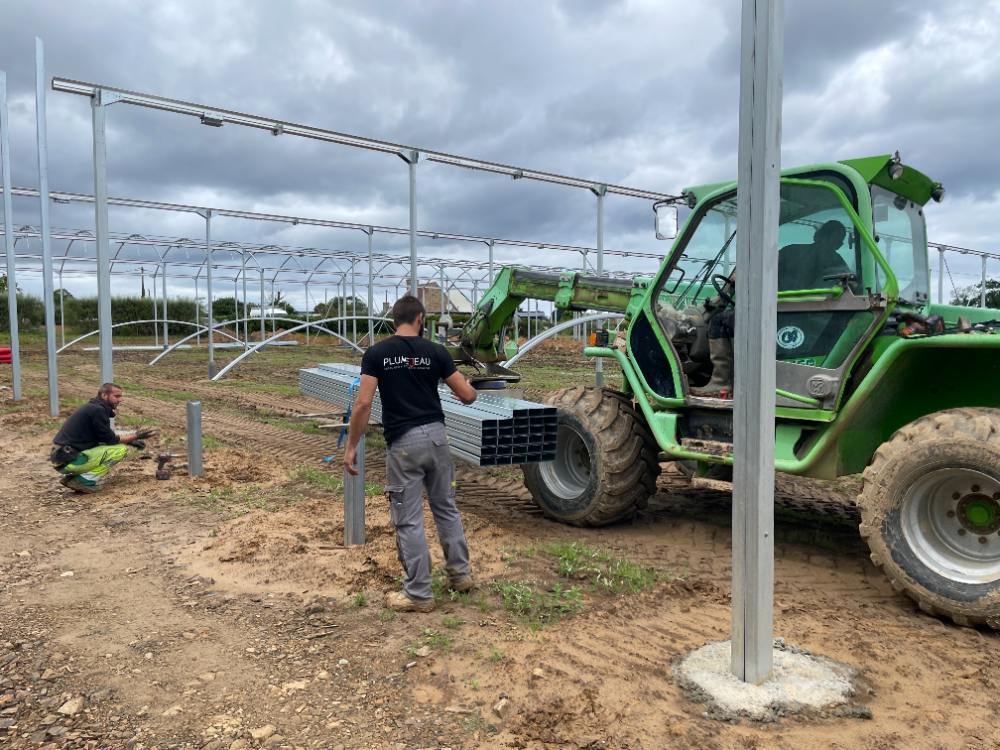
(629, 92)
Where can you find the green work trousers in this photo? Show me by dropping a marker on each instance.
(93, 464)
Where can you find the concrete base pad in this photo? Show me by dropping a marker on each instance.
(799, 683)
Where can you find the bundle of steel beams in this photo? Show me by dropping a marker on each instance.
(492, 431)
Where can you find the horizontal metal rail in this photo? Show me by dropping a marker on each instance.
(216, 116)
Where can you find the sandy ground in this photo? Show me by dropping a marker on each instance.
(224, 612)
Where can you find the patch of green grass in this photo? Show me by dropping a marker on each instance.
(386, 615)
(496, 655)
(538, 607)
(436, 639)
(432, 639)
(331, 482)
(451, 622)
(474, 683)
(359, 600)
(606, 573)
(513, 554)
(209, 443)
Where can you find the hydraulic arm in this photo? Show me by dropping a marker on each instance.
(481, 341)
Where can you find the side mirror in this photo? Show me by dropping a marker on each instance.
(666, 220)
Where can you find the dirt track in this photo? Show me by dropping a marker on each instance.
(200, 610)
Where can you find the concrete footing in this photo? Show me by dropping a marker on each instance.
(800, 682)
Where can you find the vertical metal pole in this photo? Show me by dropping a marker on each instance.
(98, 109)
(197, 311)
(982, 286)
(490, 245)
(371, 282)
(156, 316)
(244, 314)
(166, 330)
(354, 501)
(43, 200)
(195, 467)
(274, 320)
(940, 275)
(307, 312)
(354, 304)
(754, 344)
(208, 293)
(600, 192)
(8, 241)
(62, 310)
(441, 272)
(263, 319)
(413, 222)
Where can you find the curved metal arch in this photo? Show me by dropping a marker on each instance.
(316, 324)
(137, 322)
(535, 341)
(275, 337)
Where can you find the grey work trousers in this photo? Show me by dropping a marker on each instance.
(418, 460)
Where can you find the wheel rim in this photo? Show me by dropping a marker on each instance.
(568, 475)
(951, 519)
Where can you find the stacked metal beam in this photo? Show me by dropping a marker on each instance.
(492, 431)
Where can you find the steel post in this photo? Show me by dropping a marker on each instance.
(940, 275)
(197, 310)
(98, 108)
(307, 311)
(758, 205)
(371, 282)
(411, 158)
(156, 320)
(263, 319)
(982, 285)
(166, 330)
(354, 304)
(194, 451)
(354, 501)
(43, 204)
(490, 245)
(208, 292)
(62, 311)
(600, 191)
(8, 241)
(244, 314)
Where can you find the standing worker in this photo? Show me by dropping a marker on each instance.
(406, 368)
(86, 447)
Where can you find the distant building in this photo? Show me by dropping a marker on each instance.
(455, 301)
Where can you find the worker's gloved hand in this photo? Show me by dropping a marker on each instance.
(139, 445)
(146, 433)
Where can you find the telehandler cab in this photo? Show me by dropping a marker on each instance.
(866, 378)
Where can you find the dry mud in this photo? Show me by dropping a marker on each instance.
(224, 612)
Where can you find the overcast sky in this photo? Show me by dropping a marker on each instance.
(637, 93)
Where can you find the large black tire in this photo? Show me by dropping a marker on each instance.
(930, 512)
(606, 461)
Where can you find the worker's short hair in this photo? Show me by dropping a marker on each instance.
(406, 310)
(106, 389)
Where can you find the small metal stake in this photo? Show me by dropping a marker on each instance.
(195, 468)
(354, 501)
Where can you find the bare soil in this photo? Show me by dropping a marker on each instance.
(224, 612)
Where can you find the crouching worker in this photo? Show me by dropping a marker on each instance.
(86, 447)
(406, 369)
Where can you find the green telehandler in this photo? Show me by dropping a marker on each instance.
(867, 376)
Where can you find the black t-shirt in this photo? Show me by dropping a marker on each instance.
(408, 369)
(88, 427)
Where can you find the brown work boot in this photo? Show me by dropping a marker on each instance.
(398, 601)
(72, 482)
(721, 384)
(461, 584)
